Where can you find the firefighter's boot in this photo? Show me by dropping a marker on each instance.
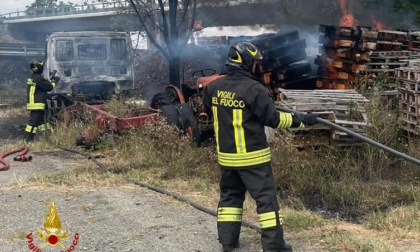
(230, 247)
(282, 246)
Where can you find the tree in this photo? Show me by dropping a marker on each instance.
(168, 25)
(49, 6)
(405, 7)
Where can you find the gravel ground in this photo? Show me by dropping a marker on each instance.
(109, 219)
(129, 218)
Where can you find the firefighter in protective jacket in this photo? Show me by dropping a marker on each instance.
(241, 107)
(37, 94)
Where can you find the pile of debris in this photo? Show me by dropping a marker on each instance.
(409, 97)
(285, 63)
(343, 107)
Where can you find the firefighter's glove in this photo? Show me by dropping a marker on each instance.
(55, 79)
(309, 119)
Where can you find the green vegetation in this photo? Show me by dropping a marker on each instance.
(410, 7)
(49, 6)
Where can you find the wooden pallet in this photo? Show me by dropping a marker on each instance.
(408, 97)
(343, 107)
(387, 35)
(408, 85)
(409, 73)
(414, 45)
(394, 54)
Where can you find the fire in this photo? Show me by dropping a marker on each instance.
(378, 25)
(347, 19)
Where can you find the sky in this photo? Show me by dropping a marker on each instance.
(7, 6)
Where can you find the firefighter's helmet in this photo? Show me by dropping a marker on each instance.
(37, 66)
(243, 55)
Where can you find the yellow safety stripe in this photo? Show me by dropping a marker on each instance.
(216, 125)
(229, 210)
(31, 129)
(302, 125)
(286, 120)
(268, 220)
(35, 106)
(229, 214)
(248, 155)
(247, 159)
(268, 224)
(53, 84)
(246, 162)
(267, 216)
(229, 218)
(43, 127)
(239, 131)
(32, 94)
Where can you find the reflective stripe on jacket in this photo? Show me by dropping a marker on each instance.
(37, 91)
(241, 107)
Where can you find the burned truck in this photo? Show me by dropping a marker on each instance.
(92, 65)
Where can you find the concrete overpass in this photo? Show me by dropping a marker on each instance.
(20, 26)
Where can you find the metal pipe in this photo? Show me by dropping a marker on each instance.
(358, 136)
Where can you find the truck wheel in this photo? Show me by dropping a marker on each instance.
(171, 113)
(189, 123)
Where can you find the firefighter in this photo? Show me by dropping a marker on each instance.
(241, 107)
(37, 94)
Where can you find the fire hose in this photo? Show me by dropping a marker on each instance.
(21, 157)
(105, 169)
(358, 136)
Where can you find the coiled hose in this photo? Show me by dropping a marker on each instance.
(21, 157)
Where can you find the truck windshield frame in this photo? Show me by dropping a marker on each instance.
(65, 50)
(92, 51)
(118, 49)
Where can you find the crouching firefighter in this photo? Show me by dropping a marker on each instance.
(37, 95)
(241, 107)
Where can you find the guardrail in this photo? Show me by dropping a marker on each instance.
(66, 10)
(97, 7)
(21, 50)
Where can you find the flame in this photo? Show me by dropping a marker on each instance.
(378, 25)
(347, 19)
(52, 223)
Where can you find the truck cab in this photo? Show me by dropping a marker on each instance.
(92, 65)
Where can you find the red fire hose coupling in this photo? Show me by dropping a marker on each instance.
(21, 157)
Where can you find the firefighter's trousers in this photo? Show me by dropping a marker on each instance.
(37, 122)
(259, 182)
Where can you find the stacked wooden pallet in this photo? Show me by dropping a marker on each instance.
(409, 97)
(343, 54)
(285, 63)
(382, 66)
(414, 41)
(392, 40)
(343, 107)
(355, 56)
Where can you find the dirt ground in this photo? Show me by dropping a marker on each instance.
(123, 218)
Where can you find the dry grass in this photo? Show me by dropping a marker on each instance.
(363, 183)
(12, 93)
(14, 112)
(83, 175)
